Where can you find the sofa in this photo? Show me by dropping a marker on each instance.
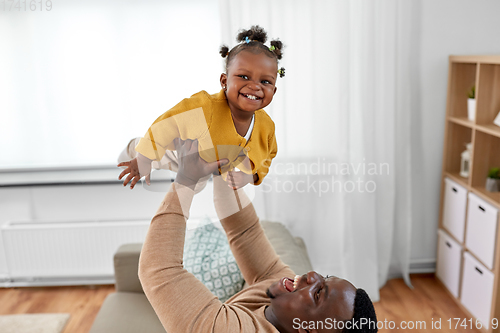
(128, 310)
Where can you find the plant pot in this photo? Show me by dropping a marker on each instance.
(471, 109)
(492, 185)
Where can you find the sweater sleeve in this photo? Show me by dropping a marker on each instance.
(266, 163)
(253, 252)
(182, 303)
(186, 120)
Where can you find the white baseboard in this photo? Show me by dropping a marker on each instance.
(418, 266)
(52, 282)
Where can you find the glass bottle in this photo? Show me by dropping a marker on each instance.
(465, 163)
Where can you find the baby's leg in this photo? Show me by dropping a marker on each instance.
(168, 162)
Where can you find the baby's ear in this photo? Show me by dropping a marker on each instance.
(223, 80)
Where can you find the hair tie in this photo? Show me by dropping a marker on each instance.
(247, 40)
(281, 72)
(272, 48)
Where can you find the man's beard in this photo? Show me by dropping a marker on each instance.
(268, 293)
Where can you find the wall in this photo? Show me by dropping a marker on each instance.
(88, 202)
(447, 27)
(444, 27)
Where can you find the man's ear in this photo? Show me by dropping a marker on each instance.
(223, 80)
(302, 330)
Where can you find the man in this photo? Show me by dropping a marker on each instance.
(274, 301)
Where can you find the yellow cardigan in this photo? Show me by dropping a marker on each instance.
(208, 118)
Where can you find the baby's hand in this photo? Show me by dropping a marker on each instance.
(133, 172)
(238, 179)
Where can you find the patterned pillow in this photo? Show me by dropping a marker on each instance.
(207, 255)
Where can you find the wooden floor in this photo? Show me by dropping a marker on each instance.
(82, 303)
(427, 303)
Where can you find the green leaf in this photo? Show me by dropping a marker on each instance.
(472, 92)
(494, 173)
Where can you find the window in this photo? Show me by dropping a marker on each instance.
(79, 81)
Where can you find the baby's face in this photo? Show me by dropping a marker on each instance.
(250, 81)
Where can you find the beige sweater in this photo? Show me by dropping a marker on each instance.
(183, 304)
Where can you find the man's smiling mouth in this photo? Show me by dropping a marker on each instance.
(289, 284)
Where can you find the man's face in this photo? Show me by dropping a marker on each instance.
(310, 297)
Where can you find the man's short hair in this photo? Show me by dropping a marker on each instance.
(364, 319)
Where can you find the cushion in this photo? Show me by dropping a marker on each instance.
(208, 257)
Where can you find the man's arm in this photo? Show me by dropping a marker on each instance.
(182, 302)
(252, 250)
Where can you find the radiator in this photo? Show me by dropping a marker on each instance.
(66, 252)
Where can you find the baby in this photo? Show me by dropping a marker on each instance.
(228, 125)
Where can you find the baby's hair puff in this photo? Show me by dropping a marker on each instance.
(253, 40)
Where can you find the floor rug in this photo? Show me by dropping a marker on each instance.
(34, 323)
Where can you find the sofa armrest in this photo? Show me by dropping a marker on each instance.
(126, 263)
(292, 250)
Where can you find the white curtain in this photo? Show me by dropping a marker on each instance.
(342, 179)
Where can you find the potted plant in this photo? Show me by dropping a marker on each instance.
(471, 103)
(493, 180)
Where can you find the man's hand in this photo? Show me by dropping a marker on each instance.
(191, 166)
(238, 179)
(134, 168)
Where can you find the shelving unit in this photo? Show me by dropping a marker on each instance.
(484, 73)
